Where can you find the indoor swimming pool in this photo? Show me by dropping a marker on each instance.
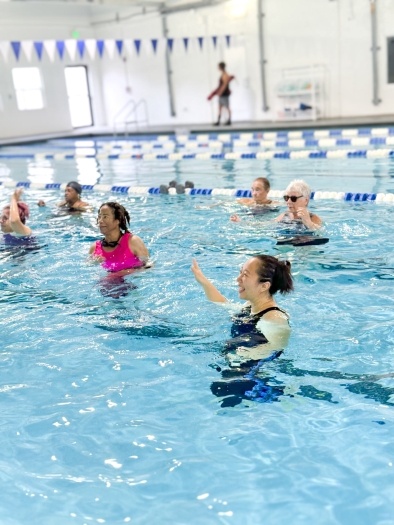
(118, 405)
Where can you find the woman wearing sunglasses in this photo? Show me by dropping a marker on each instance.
(296, 196)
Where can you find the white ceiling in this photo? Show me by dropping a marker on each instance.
(117, 3)
(97, 7)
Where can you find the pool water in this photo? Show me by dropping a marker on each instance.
(117, 403)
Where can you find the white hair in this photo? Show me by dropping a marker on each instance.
(299, 185)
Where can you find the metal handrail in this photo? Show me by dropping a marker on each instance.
(133, 110)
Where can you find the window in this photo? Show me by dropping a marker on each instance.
(28, 88)
(78, 96)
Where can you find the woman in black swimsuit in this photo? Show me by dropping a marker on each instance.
(261, 329)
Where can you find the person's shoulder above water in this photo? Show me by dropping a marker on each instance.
(119, 250)
(72, 199)
(260, 278)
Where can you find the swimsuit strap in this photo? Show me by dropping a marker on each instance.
(270, 309)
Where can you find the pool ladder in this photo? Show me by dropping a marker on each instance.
(129, 114)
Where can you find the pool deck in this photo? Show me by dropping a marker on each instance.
(242, 126)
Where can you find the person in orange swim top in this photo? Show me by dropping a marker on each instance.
(119, 250)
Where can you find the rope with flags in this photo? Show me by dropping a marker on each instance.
(105, 48)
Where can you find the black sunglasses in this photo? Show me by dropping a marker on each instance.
(293, 198)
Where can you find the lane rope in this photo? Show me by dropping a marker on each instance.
(238, 193)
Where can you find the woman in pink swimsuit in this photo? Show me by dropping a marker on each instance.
(119, 251)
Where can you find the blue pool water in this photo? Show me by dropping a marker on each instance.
(109, 392)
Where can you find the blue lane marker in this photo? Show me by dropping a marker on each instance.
(248, 155)
(55, 186)
(360, 153)
(282, 155)
(217, 156)
(120, 189)
(318, 155)
(243, 193)
(19, 156)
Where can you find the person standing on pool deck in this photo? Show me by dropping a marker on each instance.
(261, 329)
(297, 195)
(223, 92)
(13, 218)
(72, 198)
(120, 250)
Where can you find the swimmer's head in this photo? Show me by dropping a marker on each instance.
(24, 213)
(189, 184)
(299, 186)
(110, 212)
(277, 273)
(297, 195)
(73, 191)
(260, 188)
(222, 66)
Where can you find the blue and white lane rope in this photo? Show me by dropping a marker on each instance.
(226, 136)
(315, 143)
(146, 190)
(381, 153)
(299, 134)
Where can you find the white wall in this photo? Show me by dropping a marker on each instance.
(19, 22)
(335, 34)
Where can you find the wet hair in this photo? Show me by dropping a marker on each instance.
(189, 184)
(23, 210)
(75, 186)
(120, 214)
(300, 186)
(276, 272)
(265, 182)
(222, 65)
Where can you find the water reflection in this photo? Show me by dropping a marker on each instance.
(251, 382)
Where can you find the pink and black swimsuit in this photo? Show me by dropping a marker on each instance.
(121, 258)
